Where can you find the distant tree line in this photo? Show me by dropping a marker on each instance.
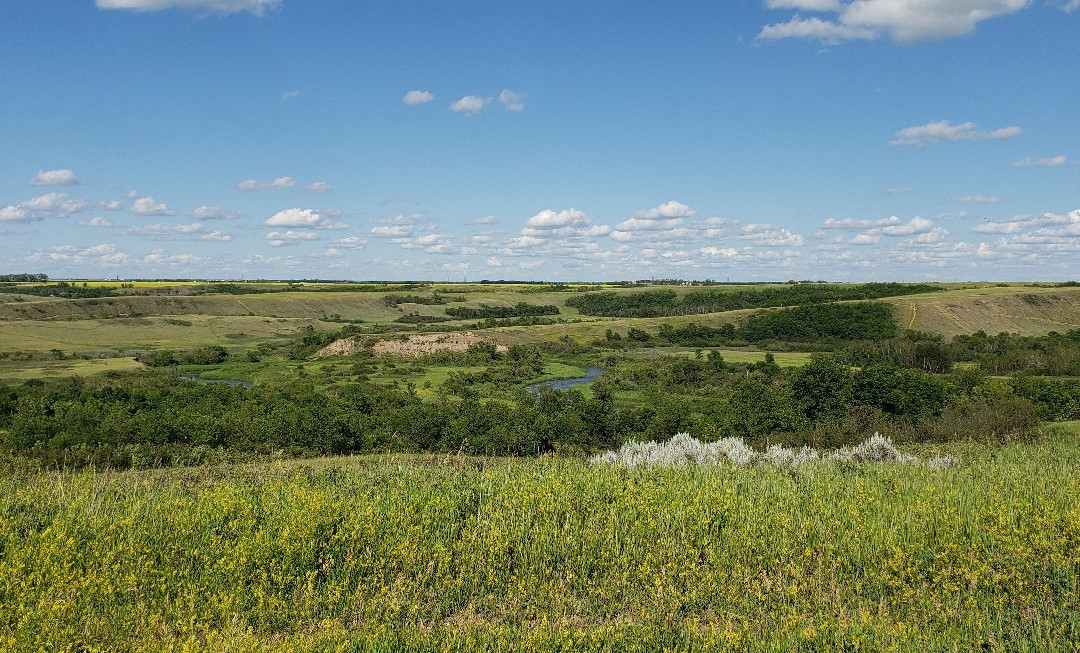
(24, 278)
(62, 289)
(666, 303)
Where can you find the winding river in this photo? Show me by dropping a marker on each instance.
(565, 384)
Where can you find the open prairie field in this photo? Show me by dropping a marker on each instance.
(782, 358)
(20, 370)
(451, 553)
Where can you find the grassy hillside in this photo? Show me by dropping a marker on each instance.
(464, 554)
(127, 334)
(1015, 309)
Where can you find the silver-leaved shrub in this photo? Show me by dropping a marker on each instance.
(683, 450)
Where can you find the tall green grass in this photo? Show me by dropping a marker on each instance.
(408, 553)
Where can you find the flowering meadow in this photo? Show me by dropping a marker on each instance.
(433, 553)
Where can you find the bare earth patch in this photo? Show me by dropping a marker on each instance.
(413, 345)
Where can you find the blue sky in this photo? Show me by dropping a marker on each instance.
(565, 140)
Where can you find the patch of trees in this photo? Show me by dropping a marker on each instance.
(813, 323)
(1055, 354)
(484, 311)
(925, 351)
(416, 318)
(24, 278)
(667, 303)
(828, 404)
(211, 355)
(516, 367)
(395, 299)
(492, 323)
(1054, 399)
(157, 419)
(854, 321)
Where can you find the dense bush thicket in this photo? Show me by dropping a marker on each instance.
(521, 309)
(664, 303)
(158, 417)
(855, 321)
(1054, 354)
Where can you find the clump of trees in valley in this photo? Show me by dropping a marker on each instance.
(521, 309)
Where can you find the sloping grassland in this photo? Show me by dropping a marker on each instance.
(1026, 310)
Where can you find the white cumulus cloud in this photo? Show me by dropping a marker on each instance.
(150, 206)
(281, 239)
(512, 100)
(850, 223)
(941, 131)
(549, 219)
(671, 209)
(392, 231)
(1048, 162)
(223, 7)
(255, 184)
(413, 98)
(298, 217)
(912, 227)
(900, 20)
(61, 177)
(210, 212)
(815, 28)
(470, 105)
(49, 205)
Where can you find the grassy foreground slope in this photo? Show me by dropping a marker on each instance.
(459, 554)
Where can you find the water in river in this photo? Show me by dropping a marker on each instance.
(564, 384)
